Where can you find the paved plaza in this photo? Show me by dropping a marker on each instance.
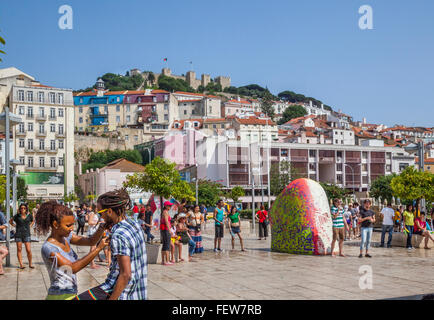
(255, 274)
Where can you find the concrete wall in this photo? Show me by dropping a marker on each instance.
(98, 143)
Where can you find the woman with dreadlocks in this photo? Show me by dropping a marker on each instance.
(60, 259)
(127, 278)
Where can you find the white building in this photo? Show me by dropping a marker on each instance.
(44, 142)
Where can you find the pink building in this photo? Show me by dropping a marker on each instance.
(108, 178)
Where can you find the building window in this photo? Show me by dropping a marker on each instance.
(166, 117)
(136, 138)
(185, 111)
(21, 110)
(364, 167)
(30, 112)
(126, 137)
(60, 98)
(402, 166)
(20, 95)
(339, 167)
(80, 120)
(22, 160)
(118, 119)
(41, 144)
(128, 118)
(388, 168)
(364, 179)
(52, 97)
(41, 128)
(336, 141)
(166, 107)
(364, 155)
(61, 161)
(312, 153)
(41, 96)
(52, 113)
(30, 162)
(118, 108)
(52, 127)
(339, 154)
(41, 111)
(30, 144)
(80, 109)
(128, 107)
(29, 95)
(60, 128)
(339, 178)
(21, 143)
(41, 162)
(53, 162)
(53, 144)
(60, 144)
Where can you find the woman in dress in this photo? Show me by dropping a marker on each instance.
(23, 222)
(60, 259)
(195, 221)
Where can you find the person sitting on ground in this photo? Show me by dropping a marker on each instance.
(235, 227)
(194, 223)
(61, 261)
(420, 229)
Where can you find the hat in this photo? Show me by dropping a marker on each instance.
(168, 203)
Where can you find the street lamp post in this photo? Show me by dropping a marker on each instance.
(8, 120)
(352, 170)
(419, 149)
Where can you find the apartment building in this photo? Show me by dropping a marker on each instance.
(192, 105)
(44, 142)
(353, 167)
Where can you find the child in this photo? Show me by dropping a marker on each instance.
(175, 241)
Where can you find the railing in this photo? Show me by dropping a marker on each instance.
(60, 135)
(40, 150)
(29, 116)
(20, 133)
(378, 160)
(326, 160)
(298, 159)
(41, 134)
(45, 168)
(27, 149)
(352, 160)
(49, 150)
(41, 117)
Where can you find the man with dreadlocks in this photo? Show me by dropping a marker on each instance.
(127, 278)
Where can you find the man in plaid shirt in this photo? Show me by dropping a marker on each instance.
(127, 278)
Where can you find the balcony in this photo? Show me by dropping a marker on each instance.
(19, 133)
(298, 159)
(41, 133)
(60, 134)
(41, 117)
(378, 160)
(99, 114)
(326, 160)
(46, 168)
(49, 150)
(52, 118)
(30, 116)
(40, 150)
(27, 149)
(352, 160)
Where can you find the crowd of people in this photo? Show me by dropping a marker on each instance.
(354, 221)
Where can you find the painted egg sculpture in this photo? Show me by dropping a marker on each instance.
(300, 219)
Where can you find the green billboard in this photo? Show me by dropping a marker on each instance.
(43, 177)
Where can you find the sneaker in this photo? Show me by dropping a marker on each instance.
(215, 250)
(360, 255)
(409, 248)
(389, 246)
(368, 255)
(381, 245)
(219, 249)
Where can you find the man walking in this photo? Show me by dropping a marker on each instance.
(339, 224)
(219, 216)
(148, 224)
(367, 219)
(388, 213)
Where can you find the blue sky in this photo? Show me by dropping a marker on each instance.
(311, 47)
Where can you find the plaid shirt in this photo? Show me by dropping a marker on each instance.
(128, 239)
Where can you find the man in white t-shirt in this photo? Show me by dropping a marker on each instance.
(388, 213)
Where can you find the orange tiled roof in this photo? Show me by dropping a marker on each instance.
(160, 91)
(41, 85)
(181, 122)
(256, 121)
(124, 165)
(239, 102)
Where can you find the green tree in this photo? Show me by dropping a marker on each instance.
(173, 84)
(161, 178)
(236, 193)
(292, 112)
(22, 189)
(281, 174)
(3, 42)
(267, 104)
(412, 184)
(333, 191)
(380, 188)
(209, 192)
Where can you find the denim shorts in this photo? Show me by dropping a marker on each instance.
(23, 239)
(236, 229)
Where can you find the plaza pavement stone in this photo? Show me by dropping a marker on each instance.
(255, 274)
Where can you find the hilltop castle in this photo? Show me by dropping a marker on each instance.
(190, 78)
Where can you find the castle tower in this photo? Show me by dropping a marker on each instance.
(224, 81)
(166, 72)
(190, 77)
(100, 87)
(205, 79)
